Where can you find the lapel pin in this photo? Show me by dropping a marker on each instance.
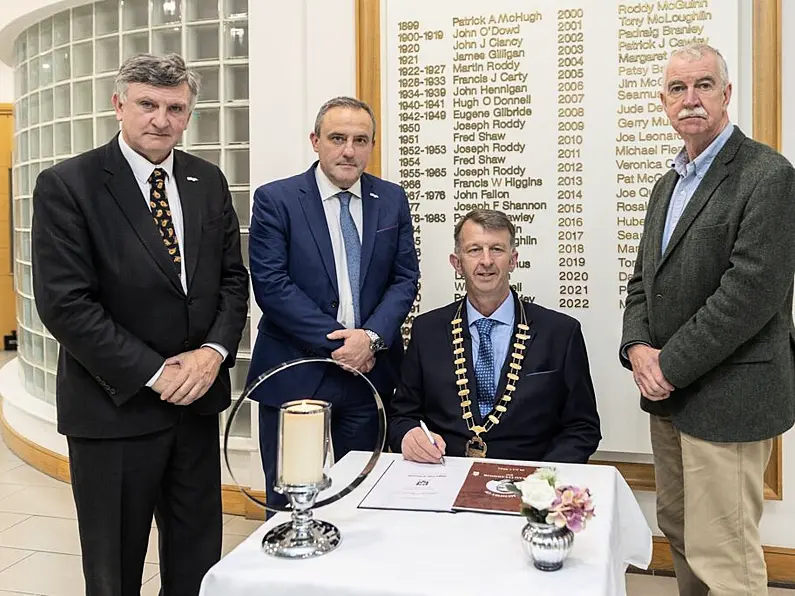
(372, 194)
(192, 179)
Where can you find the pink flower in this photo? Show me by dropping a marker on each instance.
(575, 521)
(556, 518)
(572, 508)
(567, 497)
(560, 505)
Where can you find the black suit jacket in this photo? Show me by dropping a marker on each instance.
(552, 416)
(107, 291)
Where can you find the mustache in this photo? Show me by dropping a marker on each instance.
(698, 112)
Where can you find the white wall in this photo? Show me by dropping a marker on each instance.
(295, 66)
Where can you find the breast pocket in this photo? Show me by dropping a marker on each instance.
(386, 237)
(541, 392)
(709, 233)
(387, 229)
(212, 239)
(541, 373)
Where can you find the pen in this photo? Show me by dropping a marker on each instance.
(431, 439)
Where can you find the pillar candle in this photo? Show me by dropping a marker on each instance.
(303, 444)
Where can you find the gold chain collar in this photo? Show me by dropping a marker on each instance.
(476, 446)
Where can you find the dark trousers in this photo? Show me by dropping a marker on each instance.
(354, 425)
(118, 484)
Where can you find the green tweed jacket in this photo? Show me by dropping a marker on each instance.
(718, 302)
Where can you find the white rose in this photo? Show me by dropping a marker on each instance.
(536, 492)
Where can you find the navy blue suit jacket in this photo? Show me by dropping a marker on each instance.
(295, 281)
(552, 416)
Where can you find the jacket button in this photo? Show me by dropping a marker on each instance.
(185, 344)
(191, 301)
(335, 304)
(658, 295)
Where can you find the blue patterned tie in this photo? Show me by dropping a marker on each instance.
(353, 250)
(484, 367)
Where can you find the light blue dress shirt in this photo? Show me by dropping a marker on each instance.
(690, 175)
(500, 333)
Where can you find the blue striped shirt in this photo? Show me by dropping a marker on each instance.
(690, 175)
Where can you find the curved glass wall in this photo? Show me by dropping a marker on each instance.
(64, 69)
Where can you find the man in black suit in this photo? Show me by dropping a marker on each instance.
(492, 375)
(138, 274)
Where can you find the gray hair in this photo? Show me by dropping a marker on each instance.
(158, 71)
(489, 220)
(696, 51)
(343, 102)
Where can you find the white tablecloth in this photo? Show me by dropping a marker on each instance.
(409, 553)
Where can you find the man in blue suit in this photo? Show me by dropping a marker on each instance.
(335, 273)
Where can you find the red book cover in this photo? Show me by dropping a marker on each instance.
(484, 488)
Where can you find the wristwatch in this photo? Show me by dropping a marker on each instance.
(376, 343)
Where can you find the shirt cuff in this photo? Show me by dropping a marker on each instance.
(218, 348)
(626, 348)
(156, 376)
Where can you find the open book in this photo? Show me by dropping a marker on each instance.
(484, 488)
(462, 485)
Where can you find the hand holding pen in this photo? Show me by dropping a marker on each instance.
(422, 446)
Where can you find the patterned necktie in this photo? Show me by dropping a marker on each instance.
(353, 250)
(161, 213)
(484, 367)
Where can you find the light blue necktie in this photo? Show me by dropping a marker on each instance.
(484, 367)
(353, 250)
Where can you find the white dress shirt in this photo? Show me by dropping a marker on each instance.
(331, 206)
(142, 169)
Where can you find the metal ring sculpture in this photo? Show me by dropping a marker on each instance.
(368, 468)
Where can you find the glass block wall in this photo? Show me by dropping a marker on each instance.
(64, 69)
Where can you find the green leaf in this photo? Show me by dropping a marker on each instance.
(533, 515)
(513, 488)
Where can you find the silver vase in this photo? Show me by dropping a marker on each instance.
(547, 545)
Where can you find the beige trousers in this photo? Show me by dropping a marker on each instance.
(709, 504)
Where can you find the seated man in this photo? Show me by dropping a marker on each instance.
(491, 375)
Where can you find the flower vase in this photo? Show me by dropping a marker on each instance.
(547, 544)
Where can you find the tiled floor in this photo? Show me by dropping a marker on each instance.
(39, 543)
(40, 549)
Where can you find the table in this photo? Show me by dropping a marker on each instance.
(411, 553)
